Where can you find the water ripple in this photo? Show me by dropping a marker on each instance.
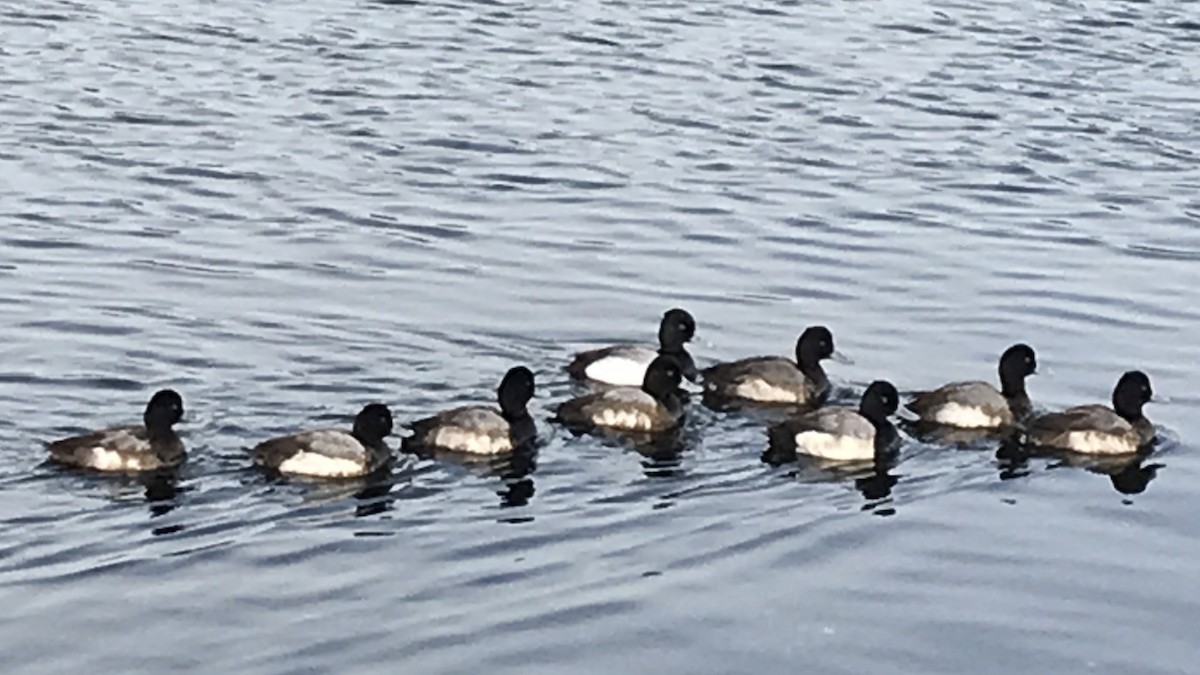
(287, 217)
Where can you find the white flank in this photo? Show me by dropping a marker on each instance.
(103, 459)
(836, 447)
(632, 420)
(966, 417)
(470, 441)
(759, 390)
(1099, 443)
(316, 464)
(620, 370)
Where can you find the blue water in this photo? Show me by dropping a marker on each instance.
(285, 212)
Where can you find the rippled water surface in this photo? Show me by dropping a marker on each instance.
(286, 211)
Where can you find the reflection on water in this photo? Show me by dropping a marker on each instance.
(1129, 475)
(286, 214)
(513, 469)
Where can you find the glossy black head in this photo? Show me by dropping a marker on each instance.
(677, 327)
(663, 376)
(814, 345)
(515, 391)
(163, 411)
(1131, 393)
(373, 424)
(1016, 363)
(879, 401)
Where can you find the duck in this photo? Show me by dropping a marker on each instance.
(979, 405)
(150, 446)
(625, 365)
(841, 433)
(481, 430)
(774, 379)
(654, 407)
(1099, 430)
(331, 453)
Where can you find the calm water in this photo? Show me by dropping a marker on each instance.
(287, 211)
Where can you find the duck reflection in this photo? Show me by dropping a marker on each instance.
(661, 452)
(376, 496)
(873, 479)
(1129, 475)
(1012, 459)
(938, 434)
(515, 470)
(161, 488)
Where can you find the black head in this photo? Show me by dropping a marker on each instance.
(677, 327)
(814, 345)
(373, 424)
(1131, 393)
(164, 410)
(515, 391)
(1016, 363)
(879, 401)
(663, 376)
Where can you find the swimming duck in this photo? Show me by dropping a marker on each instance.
(481, 430)
(625, 365)
(842, 433)
(331, 453)
(652, 408)
(146, 447)
(979, 405)
(1100, 430)
(774, 379)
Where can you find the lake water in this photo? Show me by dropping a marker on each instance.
(287, 211)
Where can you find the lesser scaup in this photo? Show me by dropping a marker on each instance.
(979, 405)
(332, 453)
(625, 365)
(841, 433)
(481, 430)
(652, 408)
(774, 379)
(1097, 429)
(149, 446)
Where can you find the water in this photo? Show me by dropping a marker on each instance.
(288, 212)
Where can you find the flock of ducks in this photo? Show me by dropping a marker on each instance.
(636, 391)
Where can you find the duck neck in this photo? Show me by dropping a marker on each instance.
(513, 413)
(875, 413)
(1129, 410)
(158, 429)
(367, 437)
(664, 394)
(812, 369)
(671, 401)
(671, 348)
(1012, 385)
(808, 359)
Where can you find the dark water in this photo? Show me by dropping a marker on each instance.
(285, 211)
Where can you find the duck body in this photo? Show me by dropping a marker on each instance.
(979, 405)
(1086, 429)
(150, 446)
(653, 408)
(331, 453)
(625, 365)
(766, 379)
(773, 379)
(124, 449)
(480, 430)
(842, 433)
(1097, 429)
(967, 405)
